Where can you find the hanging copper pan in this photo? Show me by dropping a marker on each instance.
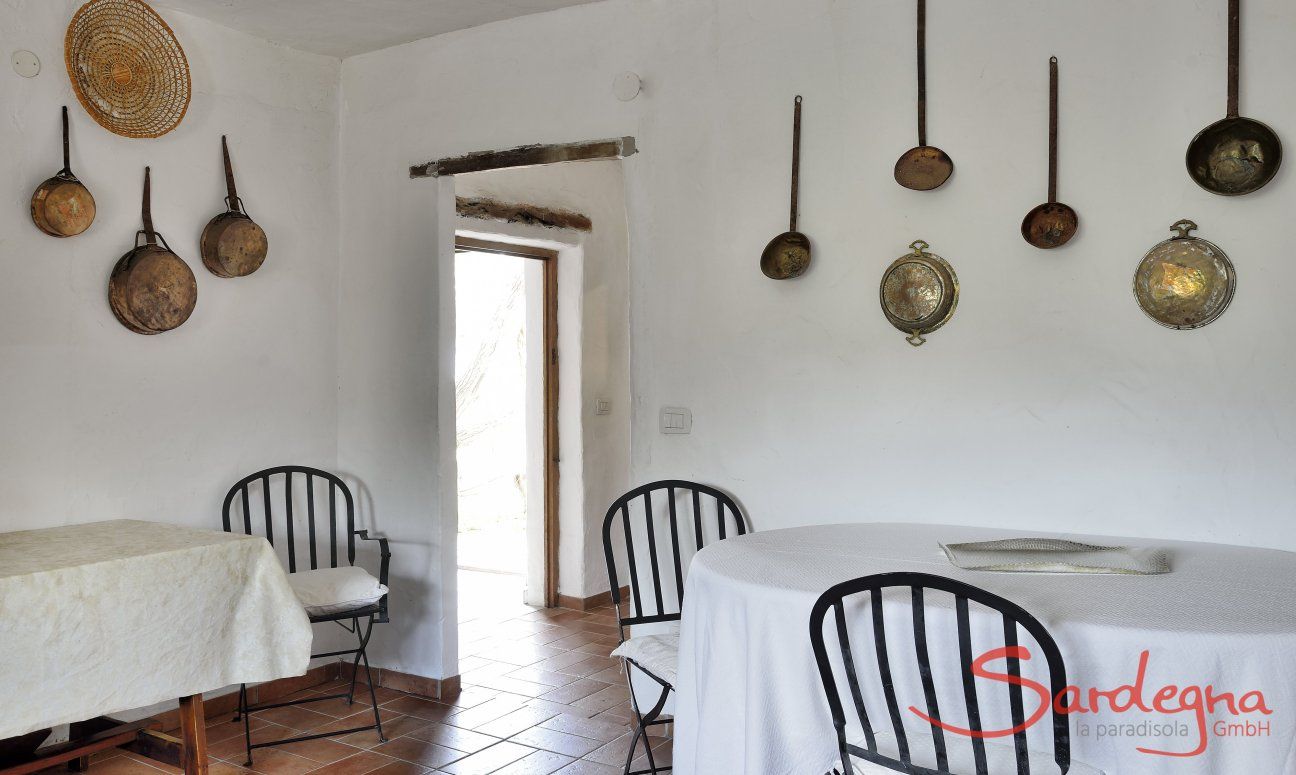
(232, 245)
(62, 206)
(151, 290)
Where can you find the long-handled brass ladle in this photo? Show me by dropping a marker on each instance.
(1235, 155)
(788, 255)
(1052, 223)
(923, 167)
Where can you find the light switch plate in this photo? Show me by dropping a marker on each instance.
(602, 406)
(676, 420)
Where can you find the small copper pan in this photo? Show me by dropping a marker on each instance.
(232, 245)
(62, 206)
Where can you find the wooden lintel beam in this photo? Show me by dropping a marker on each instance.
(533, 215)
(527, 156)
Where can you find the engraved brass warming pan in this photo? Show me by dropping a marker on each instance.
(151, 290)
(1184, 282)
(232, 245)
(919, 292)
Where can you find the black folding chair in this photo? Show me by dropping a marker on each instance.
(923, 754)
(652, 538)
(339, 539)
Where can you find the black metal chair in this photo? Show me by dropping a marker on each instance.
(340, 542)
(657, 595)
(896, 751)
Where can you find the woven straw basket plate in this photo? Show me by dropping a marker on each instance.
(127, 68)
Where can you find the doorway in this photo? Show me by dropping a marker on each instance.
(506, 399)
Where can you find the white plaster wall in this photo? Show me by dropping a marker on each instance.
(396, 390)
(595, 449)
(100, 423)
(1049, 402)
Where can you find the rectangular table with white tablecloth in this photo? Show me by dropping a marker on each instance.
(751, 699)
(101, 618)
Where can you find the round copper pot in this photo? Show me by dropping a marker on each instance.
(232, 245)
(151, 289)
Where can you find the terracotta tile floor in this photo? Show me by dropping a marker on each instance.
(540, 695)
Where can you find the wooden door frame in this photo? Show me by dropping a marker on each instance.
(549, 259)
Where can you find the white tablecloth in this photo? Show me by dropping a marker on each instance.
(751, 701)
(106, 617)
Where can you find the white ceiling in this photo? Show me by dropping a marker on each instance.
(342, 28)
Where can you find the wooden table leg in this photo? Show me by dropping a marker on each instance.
(193, 727)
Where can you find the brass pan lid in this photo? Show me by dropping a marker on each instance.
(919, 292)
(1184, 282)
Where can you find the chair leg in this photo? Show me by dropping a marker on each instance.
(373, 693)
(643, 720)
(634, 743)
(355, 663)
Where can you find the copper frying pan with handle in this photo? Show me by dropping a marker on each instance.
(62, 206)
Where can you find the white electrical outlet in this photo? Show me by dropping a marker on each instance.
(676, 420)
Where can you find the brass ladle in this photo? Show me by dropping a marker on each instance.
(924, 167)
(1052, 223)
(788, 255)
(1235, 155)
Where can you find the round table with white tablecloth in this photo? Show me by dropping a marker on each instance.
(750, 699)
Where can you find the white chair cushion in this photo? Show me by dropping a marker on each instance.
(334, 590)
(658, 654)
(1001, 759)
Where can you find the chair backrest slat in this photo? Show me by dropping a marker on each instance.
(332, 524)
(903, 756)
(888, 681)
(698, 540)
(247, 514)
(675, 544)
(969, 684)
(1015, 698)
(288, 523)
(310, 515)
(634, 566)
(268, 512)
(650, 523)
(285, 522)
(852, 678)
(925, 671)
(630, 536)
